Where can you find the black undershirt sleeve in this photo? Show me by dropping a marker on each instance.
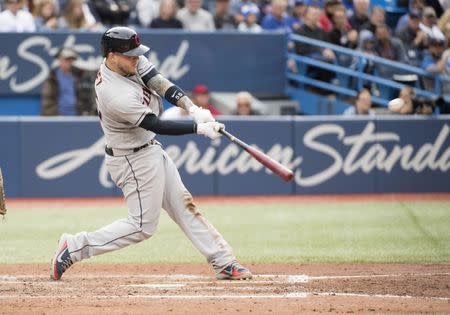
(167, 127)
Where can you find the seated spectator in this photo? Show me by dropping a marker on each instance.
(236, 7)
(413, 39)
(407, 103)
(223, 19)
(436, 61)
(404, 103)
(74, 19)
(113, 12)
(429, 24)
(16, 19)
(312, 30)
(244, 105)
(360, 16)
(68, 91)
(167, 13)
(45, 16)
(414, 6)
(147, 11)
(87, 7)
(341, 33)
(194, 18)
(277, 19)
(389, 47)
(363, 104)
(200, 95)
(377, 17)
(250, 12)
(368, 47)
(330, 6)
(297, 15)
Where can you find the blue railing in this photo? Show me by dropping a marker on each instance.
(357, 74)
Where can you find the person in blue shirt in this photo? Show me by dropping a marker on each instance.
(277, 19)
(363, 104)
(68, 91)
(298, 14)
(437, 61)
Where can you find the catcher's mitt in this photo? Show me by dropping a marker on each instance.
(2, 196)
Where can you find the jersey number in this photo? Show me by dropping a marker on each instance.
(146, 96)
(99, 78)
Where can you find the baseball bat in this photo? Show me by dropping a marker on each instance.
(264, 159)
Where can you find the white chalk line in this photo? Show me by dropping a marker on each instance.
(45, 280)
(156, 285)
(380, 296)
(290, 295)
(196, 288)
(165, 297)
(274, 278)
(379, 276)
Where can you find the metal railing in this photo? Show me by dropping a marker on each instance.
(356, 72)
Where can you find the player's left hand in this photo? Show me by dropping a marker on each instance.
(200, 115)
(210, 129)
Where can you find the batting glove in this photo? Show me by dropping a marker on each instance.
(210, 129)
(200, 115)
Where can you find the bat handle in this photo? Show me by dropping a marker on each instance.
(233, 138)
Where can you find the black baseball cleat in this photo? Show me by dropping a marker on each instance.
(61, 260)
(234, 271)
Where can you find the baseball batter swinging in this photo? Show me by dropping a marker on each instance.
(128, 89)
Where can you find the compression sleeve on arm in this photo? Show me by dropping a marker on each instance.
(167, 127)
(171, 92)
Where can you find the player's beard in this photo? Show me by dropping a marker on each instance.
(127, 70)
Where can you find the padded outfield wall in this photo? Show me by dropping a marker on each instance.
(63, 157)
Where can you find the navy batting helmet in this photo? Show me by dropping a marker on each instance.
(123, 40)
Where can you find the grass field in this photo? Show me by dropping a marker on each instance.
(292, 232)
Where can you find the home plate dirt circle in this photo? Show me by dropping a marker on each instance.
(192, 289)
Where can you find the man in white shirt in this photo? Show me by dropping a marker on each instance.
(194, 18)
(15, 19)
(429, 24)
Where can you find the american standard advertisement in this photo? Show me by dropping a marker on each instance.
(65, 157)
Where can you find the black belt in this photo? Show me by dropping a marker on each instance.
(110, 151)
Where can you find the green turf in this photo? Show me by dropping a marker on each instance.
(295, 233)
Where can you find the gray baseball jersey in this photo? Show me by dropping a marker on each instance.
(122, 103)
(148, 177)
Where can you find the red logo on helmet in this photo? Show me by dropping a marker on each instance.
(136, 40)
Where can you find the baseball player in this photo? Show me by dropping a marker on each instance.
(128, 89)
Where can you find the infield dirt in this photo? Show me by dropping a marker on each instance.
(192, 289)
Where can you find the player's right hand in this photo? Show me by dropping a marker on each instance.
(200, 115)
(210, 129)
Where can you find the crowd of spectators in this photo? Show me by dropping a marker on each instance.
(348, 17)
